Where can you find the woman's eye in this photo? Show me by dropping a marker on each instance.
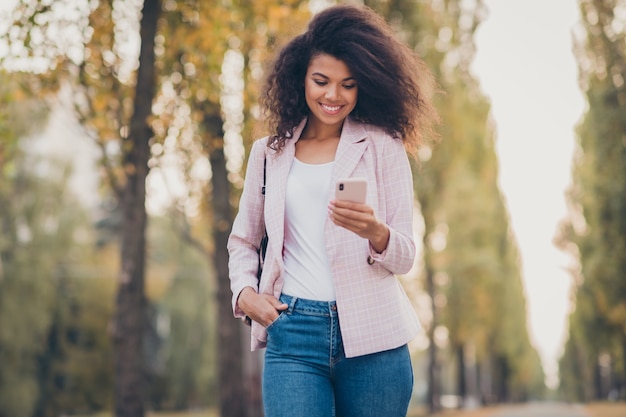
(349, 86)
(319, 82)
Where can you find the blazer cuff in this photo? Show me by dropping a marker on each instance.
(377, 256)
(238, 312)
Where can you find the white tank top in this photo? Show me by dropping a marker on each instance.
(307, 270)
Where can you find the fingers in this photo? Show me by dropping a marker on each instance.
(261, 308)
(349, 205)
(277, 304)
(358, 218)
(347, 212)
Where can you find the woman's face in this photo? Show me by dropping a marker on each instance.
(330, 90)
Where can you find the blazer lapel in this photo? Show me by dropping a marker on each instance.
(352, 145)
(353, 142)
(278, 167)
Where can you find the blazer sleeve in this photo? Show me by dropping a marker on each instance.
(395, 181)
(248, 227)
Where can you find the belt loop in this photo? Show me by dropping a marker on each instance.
(292, 305)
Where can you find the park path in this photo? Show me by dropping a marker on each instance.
(542, 410)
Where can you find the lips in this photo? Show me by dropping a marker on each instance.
(330, 109)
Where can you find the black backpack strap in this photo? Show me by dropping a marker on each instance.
(264, 171)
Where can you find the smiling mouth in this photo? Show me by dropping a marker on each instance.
(330, 109)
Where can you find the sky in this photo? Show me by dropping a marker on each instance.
(526, 66)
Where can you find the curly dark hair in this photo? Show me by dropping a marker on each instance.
(394, 83)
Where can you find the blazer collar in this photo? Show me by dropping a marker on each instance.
(352, 144)
(352, 132)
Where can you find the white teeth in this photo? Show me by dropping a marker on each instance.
(331, 108)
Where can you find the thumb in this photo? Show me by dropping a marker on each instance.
(279, 306)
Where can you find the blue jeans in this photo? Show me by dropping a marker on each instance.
(307, 374)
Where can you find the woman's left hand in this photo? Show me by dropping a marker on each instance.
(360, 219)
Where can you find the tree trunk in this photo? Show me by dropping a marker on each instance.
(471, 385)
(461, 376)
(130, 316)
(232, 401)
(252, 364)
(433, 394)
(433, 363)
(597, 381)
(502, 379)
(485, 382)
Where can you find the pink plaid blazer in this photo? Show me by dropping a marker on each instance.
(374, 311)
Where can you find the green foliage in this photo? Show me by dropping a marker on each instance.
(21, 113)
(193, 38)
(182, 361)
(596, 230)
(187, 374)
(27, 223)
(56, 306)
(52, 320)
(40, 220)
(78, 336)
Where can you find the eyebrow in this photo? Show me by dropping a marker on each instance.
(319, 74)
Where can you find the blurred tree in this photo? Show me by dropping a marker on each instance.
(190, 52)
(185, 376)
(44, 218)
(46, 329)
(472, 271)
(181, 351)
(485, 309)
(198, 53)
(35, 34)
(416, 23)
(23, 234)
(596, 229)
(130, 313)
(259, 28)
(81, 314)
(577, 363)
(193, 53)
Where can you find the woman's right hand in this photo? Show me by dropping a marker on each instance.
(262, 308)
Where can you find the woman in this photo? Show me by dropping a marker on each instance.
(344, 99)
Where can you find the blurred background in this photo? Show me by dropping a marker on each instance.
(124, 132)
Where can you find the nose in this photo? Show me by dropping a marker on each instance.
(332, 92)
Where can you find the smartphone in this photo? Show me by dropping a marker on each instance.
(351, 189)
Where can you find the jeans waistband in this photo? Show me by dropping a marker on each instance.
(310, 307)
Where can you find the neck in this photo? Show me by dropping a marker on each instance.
(315, 129)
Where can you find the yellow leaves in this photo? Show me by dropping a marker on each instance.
(100, 104)
(275, 17)
(18, 95)
(287, 19)
(193, 37)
